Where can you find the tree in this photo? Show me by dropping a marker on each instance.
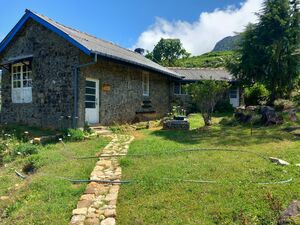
(267, 52)
(206, 95)
(167, 51)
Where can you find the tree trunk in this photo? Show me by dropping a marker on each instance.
(207, 119)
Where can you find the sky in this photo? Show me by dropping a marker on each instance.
(199, 24)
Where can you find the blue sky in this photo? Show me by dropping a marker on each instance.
(121, 21)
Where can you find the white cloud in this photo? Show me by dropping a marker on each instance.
(201, 36)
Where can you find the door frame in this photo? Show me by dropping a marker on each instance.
(97, 109)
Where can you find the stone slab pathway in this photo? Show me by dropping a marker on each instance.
(97, 206)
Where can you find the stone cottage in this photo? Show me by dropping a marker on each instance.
(55, 76)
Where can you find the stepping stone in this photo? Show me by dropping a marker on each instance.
(108, 221)
(81, 211)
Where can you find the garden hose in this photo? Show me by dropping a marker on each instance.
(77, 181)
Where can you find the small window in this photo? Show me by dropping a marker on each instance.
(21, 79)
(146, 84)
(233, 93)
(179, 89)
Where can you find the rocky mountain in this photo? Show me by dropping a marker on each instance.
(227, 44)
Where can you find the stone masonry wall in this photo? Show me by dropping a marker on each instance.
(125, 98)
(52, 78)
(52, 90)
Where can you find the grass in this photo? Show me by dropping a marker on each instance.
(45, 198)
(236, 198)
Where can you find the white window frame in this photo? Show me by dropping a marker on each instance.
(180, 89)
(23, 93)
(146, 84)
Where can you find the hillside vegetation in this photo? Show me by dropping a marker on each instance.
(211, 59)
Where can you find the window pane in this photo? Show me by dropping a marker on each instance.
(90, 105)
(17, 76)
(91, 84)
(90, 98)
(27, 83)
(17, 84)
(90, 91)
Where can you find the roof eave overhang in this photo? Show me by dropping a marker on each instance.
(16, 60)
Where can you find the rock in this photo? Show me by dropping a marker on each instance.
(111, 197)
(110, 213)
(4, 198)
(81, 211)
(242, 117)
(108, 221)
(91, 221)
(77, 220)
(176, 125)
(101, 217)
(104, 163)
(37, 141)
(293, 211)
(252, 108)
(279, 161)
(84, 204)
(269, 116)
(87, 197)
(293, 115)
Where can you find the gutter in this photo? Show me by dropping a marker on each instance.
(76, 88)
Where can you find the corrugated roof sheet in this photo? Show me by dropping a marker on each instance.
(108, 49)
(197, 74)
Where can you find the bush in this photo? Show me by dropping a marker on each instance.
(75, 135)
(24, 149)
(256, 95)
(283, 104)
(224, 107)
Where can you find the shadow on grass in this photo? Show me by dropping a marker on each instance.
(227, 135)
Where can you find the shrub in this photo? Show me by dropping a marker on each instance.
(75, 135)
(283, 104)
(256, 95)
(24, 149)
(224, 107)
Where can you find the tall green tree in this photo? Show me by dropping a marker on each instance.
(268, 49)
(167, 51)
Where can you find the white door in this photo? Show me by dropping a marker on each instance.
(92, 101)
(234, 96)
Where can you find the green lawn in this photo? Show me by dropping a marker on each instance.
(45, 198)
(158, 197)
